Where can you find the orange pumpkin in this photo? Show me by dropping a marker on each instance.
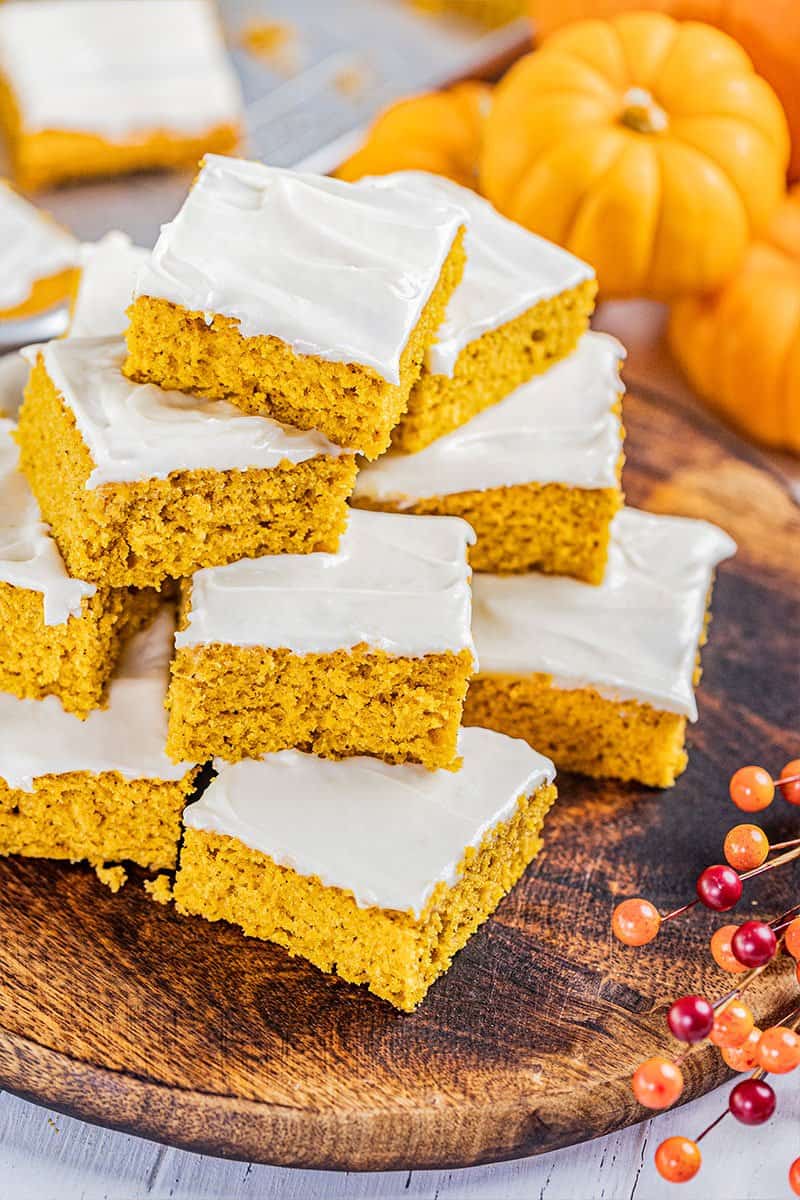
(741, 347)
(437, 131)
(769, 30)
(646, 146)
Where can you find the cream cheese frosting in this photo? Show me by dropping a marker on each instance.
(633, 637)
(32, 247)
(558, 428)
(128, 736)
(13, 376)
(398, 584)
(29, 557)
(137, 431)
(337, 270)
(388, 834)
(509, 269)
(108, 273)
(119, 70)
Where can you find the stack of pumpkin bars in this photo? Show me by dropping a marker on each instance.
(336, 401)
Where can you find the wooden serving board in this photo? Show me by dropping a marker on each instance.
(116, 1010)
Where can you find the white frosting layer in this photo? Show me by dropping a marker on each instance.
(137, 431)
(559, 428)
(508, 268)
(398, 584)
(29, 557)
(635, 637)
(128, 736)
(338, 270)
(13, 377)
(32, 247)
(108, 273)
(120, 70)
(388, 834)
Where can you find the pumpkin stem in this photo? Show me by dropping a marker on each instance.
(641, 113)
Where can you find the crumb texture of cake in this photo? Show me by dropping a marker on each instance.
(368, 651)
(536, 475)
(100, 790)
(140, 484)
(105, 287)
(522, 303)
(38, 259)
(602, 678)
(101, 89)
(297, 297)
(271, 847)
(58, 636)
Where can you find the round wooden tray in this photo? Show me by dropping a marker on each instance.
(120, 1012)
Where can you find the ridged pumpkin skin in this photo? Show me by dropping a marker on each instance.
(437, 131)
(741, 347)
(769, 30)
(646, 146)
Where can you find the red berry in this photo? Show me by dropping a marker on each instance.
(732, 1024)
(754, 943)
(779, 1050)
(752, 789)
(691, 1018)
(635, 922)
(678, 1159)
(746, 847)
(792, 938)
(719, 887)
(744, 1057)
(794, 1177)
(657, 1083)
(752, 1102)
(721, 950)
(791, 791)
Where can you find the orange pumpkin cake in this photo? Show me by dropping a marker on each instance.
(602, 678)
(297, 297)
(536, 475)
(93, 88)
(367, 651)
(140, 484)
(378, 873)
(100, 790)
(58, 636)
(38, 259)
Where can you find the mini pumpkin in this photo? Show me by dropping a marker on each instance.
(741, 347)
(437, 131)
(647, 146)
(769, 30)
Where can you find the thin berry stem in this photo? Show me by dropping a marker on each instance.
(784, 845)
(775, 862)
(789, 779)
(713, 1125)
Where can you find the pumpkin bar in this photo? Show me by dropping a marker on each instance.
(100, 790)
(378, 873)
(297, 297)
(602, 678)
(58, 636)
(105, 287)
(140, 484)
(93, 88)
(536, 475)
(367, 651)
(523, 302)
(38, 259)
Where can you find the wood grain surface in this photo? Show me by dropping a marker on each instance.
(119, 1011)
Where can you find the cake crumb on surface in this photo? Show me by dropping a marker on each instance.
(113, 878)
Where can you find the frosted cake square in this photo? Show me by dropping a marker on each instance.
(522, 303)
(100, 790)
(367, 651)
(378, 873)
(140, 484)
(58, 636)
(602, 678)
(94, 88)
(536, 475)
(38, 259)
(297, 297)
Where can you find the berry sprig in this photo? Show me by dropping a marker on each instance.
(745, 951)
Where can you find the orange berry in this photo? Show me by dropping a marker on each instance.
(792, 938)
(657, 1083)
(794, 1177)
(635, 922)
(744, 1057)
(791, 791)
(752, 789)
(779, 1050)
(678, 1159)
(732, 1024)
(721, 950)
(746, 847)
